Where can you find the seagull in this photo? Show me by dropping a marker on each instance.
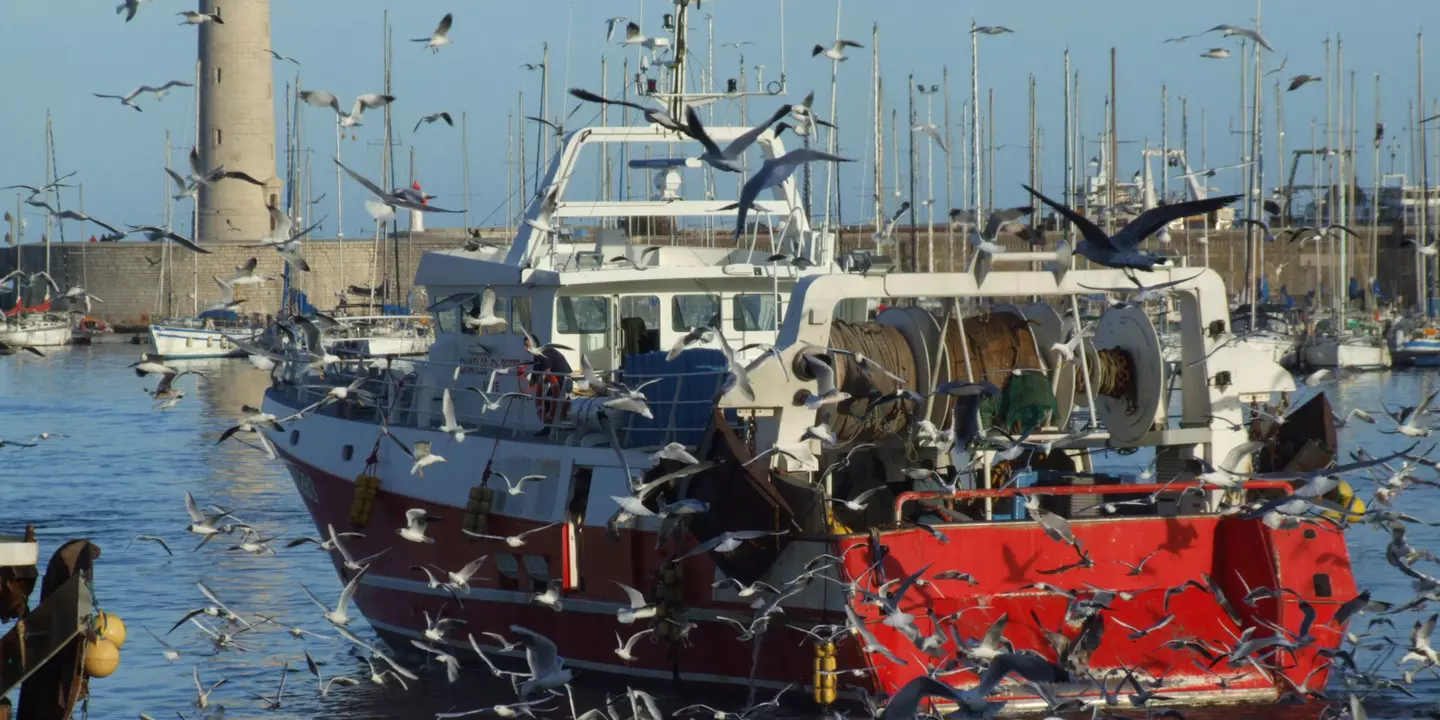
(771, 174)
(1122, 249)
(625, 649)
(156, 234)
(730, 158)
(1409, 427)
(170, 653)
(416, 522)
(611, 24)
(858, 503)
(199, 18)
(653, 115)
(991, 30)
(513, 541)
(633, 36)
(129, 7)
(886, 234)
(1247, 33)
(460, 579)
(126, 100)
(451, 426)
(1429, 249)
(933, 132)
(324, 687)
(152, 538)
(284, 240)
(836, 51)
(7, 349)
(202, 695)
(546, 667)
(438, 39)
(369, 101)
(278, 56)
(1300, 81)
(725, 542)
(484, 312)
(1216, 54)
(340, 615)
(452, 665)
(827, 393)
(227, 299)
(432, 118)
(435, 629)
(403, 198)
(201, 176)
(273, 702)
(423, 458)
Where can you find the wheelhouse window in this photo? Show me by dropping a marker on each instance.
(520, 314)
(587, 315)
(640, 323)
(754, 312)
(691, 311)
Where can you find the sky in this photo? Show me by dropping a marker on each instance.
(58, 52)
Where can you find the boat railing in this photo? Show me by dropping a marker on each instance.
(680, 404)
(1098, 491)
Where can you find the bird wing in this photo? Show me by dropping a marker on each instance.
(1158, 217)
(739, 145)
(824, 374)
(185, 242)
(193, 509)
(1089, 230)
(349, 590)
(540, 653)
(637, 599)
(800, 156)
(447, 408)
(697, 131)
(487, 302)
(443, 28)
(372, 187)
(320, 98)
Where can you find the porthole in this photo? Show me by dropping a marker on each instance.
(294, 437)
(347, 452)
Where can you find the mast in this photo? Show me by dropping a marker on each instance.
(50, 193)
(1164, 144)
(390, 163)
(914, 226)
(879, 140)
(540, 133)
(1069, 159)
(975, 121)
(1370, 303)
(195, 212)
(1424, 162)
(1113, 144)
(1342, 290)
(465, 164)
(949, 167)
(832, 173)
(1256, 170)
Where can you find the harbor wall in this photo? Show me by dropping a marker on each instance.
(136, 287)
(128, 276)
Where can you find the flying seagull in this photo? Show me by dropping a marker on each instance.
(156, 234)
(199, 18)
(658, 116)
(369, 101)
(432, 118)
(611, 24)
(129, 7)
(729, 159)
(441, 37)
(1300, 81)
(278, 56)
(1122, 250)
(933, 132)
(406, 198)
(991, 30)
(771, 174)
(835, 52)
(1216, 54)
(1244, 32)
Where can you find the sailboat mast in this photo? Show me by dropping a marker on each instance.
(195, 213)
(50, 193)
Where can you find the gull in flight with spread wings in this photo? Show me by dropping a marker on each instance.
(369, 101)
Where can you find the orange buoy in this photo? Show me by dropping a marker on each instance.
(112, 628)
(101, 658)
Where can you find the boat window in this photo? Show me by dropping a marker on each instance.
(520, 314)
(583, 315)
(691, 311)
(754, 312)
(640, 323)
(509, 571)
(538, 568)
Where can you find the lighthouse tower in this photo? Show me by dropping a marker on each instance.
(237, 119)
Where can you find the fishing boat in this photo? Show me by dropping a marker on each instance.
(538, 481)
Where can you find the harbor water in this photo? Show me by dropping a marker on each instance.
(124, 468)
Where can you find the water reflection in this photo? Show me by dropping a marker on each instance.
(125, 469)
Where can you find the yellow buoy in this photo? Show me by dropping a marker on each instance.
(101, 658)
(1344, 497)
(112, 628)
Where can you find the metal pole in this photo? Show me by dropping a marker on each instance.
(1164, 143)
(1424, 160)
(879, 140)
(832, 180)
(544, 111)
(465, 164)
(949, 167)
(1069, 160)
(975, 121)
(990, 157)
(1370, 301)
(930, 187)
(914, 226)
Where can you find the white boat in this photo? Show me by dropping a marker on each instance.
(192, 339)
(382, 335)
(36, 330)
(1355, 353)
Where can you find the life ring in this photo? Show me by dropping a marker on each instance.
(547, 389)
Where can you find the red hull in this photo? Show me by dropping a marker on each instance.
(1003, 558)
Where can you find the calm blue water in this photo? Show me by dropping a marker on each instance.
(125, 468)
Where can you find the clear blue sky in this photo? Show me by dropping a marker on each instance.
(58, 52)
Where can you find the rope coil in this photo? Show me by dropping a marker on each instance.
(1114, 371)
